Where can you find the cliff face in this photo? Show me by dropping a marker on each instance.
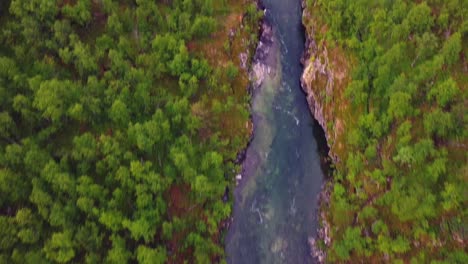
(325, 76)
(394, 164)
(318, 78)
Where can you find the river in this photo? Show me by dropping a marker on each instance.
(275, 208)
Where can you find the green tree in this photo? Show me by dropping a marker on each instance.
(83, 59)
(147, 255)
(352, 240)
(8, 233)
(231, 71)
(119, 113)
(80, 12)
(444, 92)
(52, 98)
(118, 253)
(203, 26)
(60, 247)
(438, 122)
(452, 48)
(400, 105)
(419, 18)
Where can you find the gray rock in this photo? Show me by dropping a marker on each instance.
(244, 58)
(262, 62)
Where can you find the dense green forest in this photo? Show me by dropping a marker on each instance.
(120, 122)
(400, 189)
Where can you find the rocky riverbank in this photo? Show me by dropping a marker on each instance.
(318, 82)
(323, 82)
(272, 210)
(262, 65)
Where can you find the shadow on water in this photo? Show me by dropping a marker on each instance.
(323, 149)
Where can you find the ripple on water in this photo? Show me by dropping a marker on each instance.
(276, 200)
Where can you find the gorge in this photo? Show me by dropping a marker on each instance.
(275, 210)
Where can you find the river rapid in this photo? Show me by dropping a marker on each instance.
(276, 202)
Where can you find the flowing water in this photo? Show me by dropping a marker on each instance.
(275, 209)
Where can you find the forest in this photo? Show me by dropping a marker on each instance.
(120, 122)
(399, 192)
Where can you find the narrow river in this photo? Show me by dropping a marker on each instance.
(276, 200)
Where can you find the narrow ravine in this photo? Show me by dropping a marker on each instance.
(276, 200)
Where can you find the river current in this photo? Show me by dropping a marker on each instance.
(275, 208)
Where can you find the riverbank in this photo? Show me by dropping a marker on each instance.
(395, 131)
(324, 86)
(282, 175)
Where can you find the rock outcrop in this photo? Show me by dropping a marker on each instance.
(326, 74)
(317, 72)
(262, 66)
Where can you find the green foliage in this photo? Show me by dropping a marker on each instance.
(404, 166)
(452, 48)
(79, 12)
(104, 155)
(119, 113)
(352, 240)
(444, 92)
(59, 248)
(400, 105)
(151, 256)
(203, 26)
(438, 122)
(419, 18)
(232, 71)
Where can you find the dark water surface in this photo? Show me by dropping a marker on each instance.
(276, 201)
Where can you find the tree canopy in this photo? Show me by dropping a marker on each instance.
(107, 153)
(405, 143)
